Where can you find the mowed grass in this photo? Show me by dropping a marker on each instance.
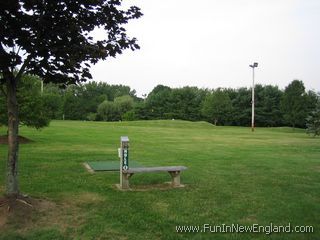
(234, 176)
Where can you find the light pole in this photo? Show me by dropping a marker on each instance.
(254, 65)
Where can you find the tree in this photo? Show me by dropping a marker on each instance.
(73, 103)
(217, 107)
(185, 103)
(157, 102)
(53, 97)
(313, 119)
(293, 104)
(139, 112)
(108, 111)
(34, 106)
(313, 123)
(267, 106)
(123, 104)
(312, 101)
(51, 39)
(241, 102)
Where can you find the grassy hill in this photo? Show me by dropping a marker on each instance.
(234, 176)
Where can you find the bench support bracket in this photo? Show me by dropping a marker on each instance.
(175, 178)
(124, 183)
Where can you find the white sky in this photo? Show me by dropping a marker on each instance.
(210, 44)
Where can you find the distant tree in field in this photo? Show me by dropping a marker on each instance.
(178, 103)
(51, 39)
(139, 112)
(124, 103)
(313, 122)
(34, 105)
(81, 100)
(185, 103)
(312, 101)
(116, 110)
(53, 98)
(241, 103)
(108, 111)
(129, 116)
(267, 106)
(217, 107)
(157, 102)
(293, 104)
(313, 119)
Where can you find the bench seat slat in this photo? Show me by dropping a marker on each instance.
(155, 169)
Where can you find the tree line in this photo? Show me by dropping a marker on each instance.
(99, 101)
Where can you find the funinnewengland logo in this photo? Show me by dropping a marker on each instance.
(236, 228)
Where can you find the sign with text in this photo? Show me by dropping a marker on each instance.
(125, 159)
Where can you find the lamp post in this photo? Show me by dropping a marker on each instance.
(254, 65)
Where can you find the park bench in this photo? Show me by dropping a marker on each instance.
(126, 172)
(174, 172)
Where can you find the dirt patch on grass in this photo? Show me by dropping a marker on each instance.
(25, 214)
(250, 219)
(22, 140)
(83, 199)
(20, 211)
(161, 207)
(316, 168)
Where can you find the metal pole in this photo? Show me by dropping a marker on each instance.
(252, 101)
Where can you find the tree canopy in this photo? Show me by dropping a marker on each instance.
(227, 106)
(53, 40)
(293, 104)
(217, 107)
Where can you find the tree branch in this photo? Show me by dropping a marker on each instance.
(23, 68)
(18, 50)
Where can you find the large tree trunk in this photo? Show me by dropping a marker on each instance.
(12, 186)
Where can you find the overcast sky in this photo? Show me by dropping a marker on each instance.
(210, 44)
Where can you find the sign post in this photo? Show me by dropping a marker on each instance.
(124, 162)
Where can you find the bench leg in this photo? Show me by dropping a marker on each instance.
(175, 178)
(124, 181)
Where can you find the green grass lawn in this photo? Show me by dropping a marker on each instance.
(234, 176)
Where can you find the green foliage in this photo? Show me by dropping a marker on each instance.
(116, 110)
(74, 106)
(81, 100)
(293, 104)
(217, 107)
(129, 116)
(53, 103)
(123, 103)
(52, 40)
(140, 111)
(108, 111)
(35, 108)
(241, 102)
(267, 106)
(186, 103)
(157, 102)
(220, 106)
(313, 122)
(178, 103)
(92, 116)
(55, 36)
